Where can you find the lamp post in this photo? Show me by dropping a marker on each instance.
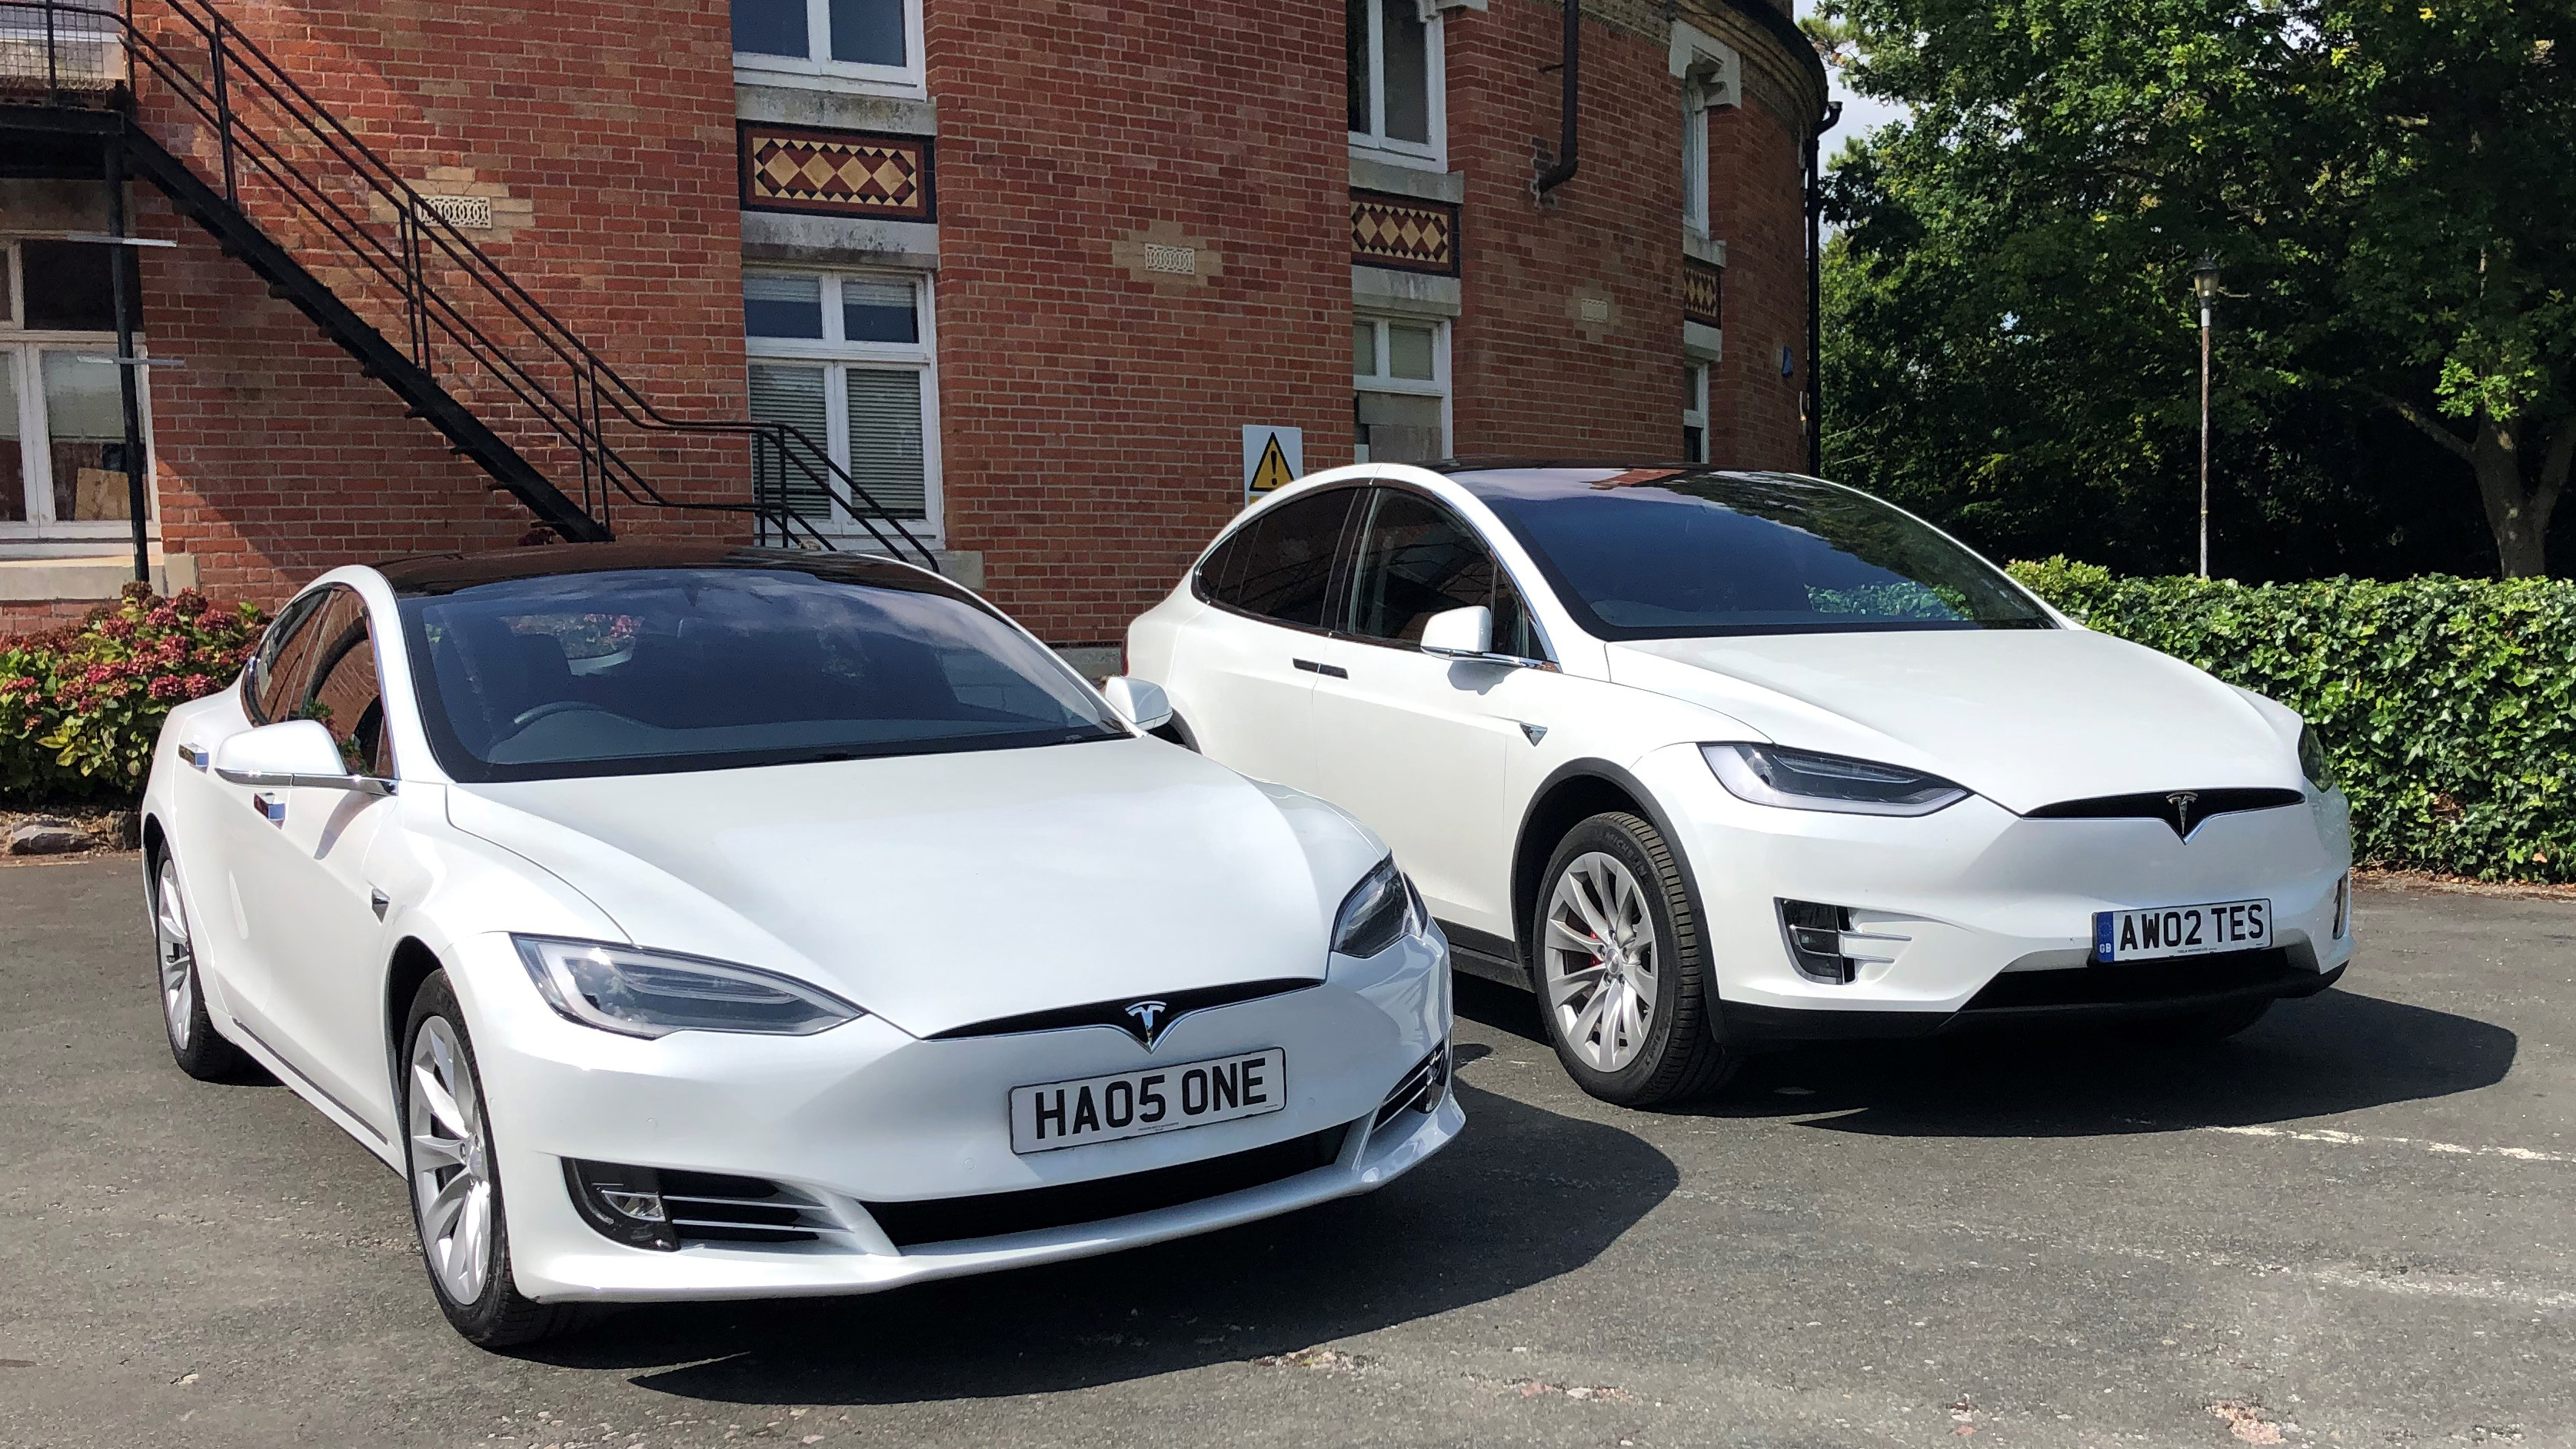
(2204, 281)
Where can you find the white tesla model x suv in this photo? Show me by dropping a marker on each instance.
(686, 922)
(1709, 759)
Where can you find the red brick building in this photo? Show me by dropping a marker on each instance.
(430, 273)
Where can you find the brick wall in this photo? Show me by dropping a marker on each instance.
(1757, 203)
(602, 131)
(1091, 413)
(274, 457)
(1532, 375)
(1090, 409)
(18, 616)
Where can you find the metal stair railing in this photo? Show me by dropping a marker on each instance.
(463, 320)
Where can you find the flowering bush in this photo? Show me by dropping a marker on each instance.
(81, 706)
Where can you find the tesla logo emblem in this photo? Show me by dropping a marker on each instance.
(1147, 1014)
(2182, 801)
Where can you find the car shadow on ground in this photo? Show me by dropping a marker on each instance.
(1495, 1213)
(2340, 1051)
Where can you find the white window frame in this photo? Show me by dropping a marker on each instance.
(41, 533)
(1695, 411)
(839, 356)
(1695, 108)
(818, 71)
(1374, 144)
(1381, 382)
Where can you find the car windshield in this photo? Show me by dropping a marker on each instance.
(651, 671)
(1676, 554)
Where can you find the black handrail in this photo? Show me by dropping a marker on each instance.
(569, 389)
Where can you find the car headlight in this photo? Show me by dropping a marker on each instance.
(654, 993)
(2312, 759)
(1805, 780)
(1380, 911)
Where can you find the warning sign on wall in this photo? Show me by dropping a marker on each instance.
(1272, 458)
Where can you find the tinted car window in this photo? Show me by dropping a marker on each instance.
(343, 692)
(1280, 564)
(1417, 559)
(284, 664)
(659, 670)
(1679, 554)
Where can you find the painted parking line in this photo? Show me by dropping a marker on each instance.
(2352, 1139)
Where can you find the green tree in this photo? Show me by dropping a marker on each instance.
(2391, 189)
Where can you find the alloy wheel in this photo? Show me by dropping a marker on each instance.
(177, 953)
(451, 1164)
(1601, 961)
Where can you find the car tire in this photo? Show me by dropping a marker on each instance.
(2218, 1023)
(1635, 1025)
(454, 1181)
(200, 1050)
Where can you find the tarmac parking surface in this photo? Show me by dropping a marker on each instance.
(2355, 1224)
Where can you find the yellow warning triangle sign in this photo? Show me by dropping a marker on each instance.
(1272, 471)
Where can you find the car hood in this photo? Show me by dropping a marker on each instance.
(2024, 717)
(942, 890)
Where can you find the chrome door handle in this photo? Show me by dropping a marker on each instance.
(272, 806)
(1329, 671)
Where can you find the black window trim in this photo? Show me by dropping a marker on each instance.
(314, 601)
(281, 631)
(1348, 564)
(1337, 591)
(1332, 588)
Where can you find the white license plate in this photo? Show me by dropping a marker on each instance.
(1147, 1100)
(2154, 934)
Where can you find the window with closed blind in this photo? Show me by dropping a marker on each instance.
(846, 362)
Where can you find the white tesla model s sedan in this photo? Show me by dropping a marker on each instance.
(1710, 758)
(694, 923)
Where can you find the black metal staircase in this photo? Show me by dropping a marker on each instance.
(283, 186)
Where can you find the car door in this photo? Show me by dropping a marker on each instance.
(305, 888)
(1416, 745)
(1243, 672)
(232, 846)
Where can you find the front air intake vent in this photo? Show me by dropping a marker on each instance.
(707, 1207)
(992, 1214)
(1815, 934)
(1421, 1089)
(662, 1209)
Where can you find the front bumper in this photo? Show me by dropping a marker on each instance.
(864, 1114)
(1977, 914)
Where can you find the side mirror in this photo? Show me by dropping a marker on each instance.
(1460, 633)
(1143, 703)
(291, 752)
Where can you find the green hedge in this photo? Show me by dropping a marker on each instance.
(2448, 705)
(81, 706)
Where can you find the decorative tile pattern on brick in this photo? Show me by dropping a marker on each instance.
(1703, 285)
(836, 173)
(1404, 234)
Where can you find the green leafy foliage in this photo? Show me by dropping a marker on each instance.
(2448, 705)
(80, 707)
(2011, 343)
